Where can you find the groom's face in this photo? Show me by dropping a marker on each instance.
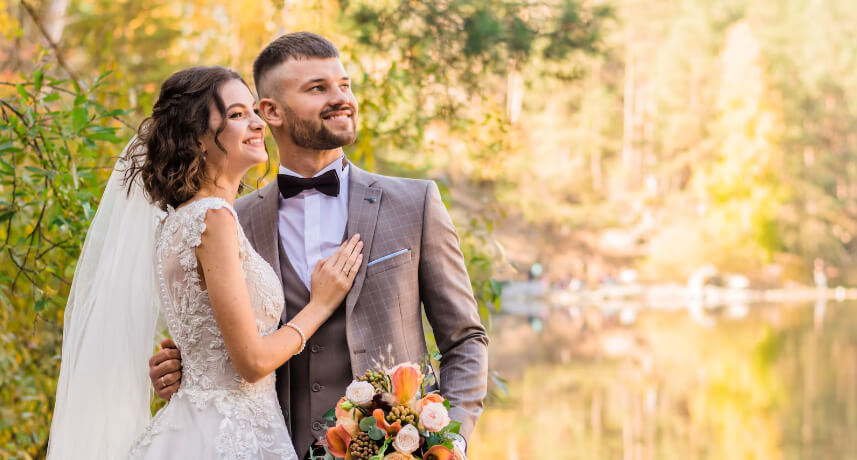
(318, 111)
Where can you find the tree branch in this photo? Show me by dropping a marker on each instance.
(57, 51)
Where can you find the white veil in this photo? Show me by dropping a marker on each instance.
(104, 394)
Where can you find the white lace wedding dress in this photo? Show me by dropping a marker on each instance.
(215, 414)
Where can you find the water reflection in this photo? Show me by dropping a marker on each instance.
(769, 381)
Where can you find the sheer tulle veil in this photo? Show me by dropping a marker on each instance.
(103, 394)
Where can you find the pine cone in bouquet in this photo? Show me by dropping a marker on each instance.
(402, 414)
(362, 446)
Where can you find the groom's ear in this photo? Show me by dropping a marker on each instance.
(271, 113)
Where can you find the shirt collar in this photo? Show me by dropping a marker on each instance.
(342, 172)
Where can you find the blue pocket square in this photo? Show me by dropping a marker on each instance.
(388, 256)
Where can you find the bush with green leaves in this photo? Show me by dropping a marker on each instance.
(56, 145)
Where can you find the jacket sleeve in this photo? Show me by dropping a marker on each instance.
(451, 309)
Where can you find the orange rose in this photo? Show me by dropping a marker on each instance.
(352, 414)
(428, 399)
(340, 412)
(351, 426)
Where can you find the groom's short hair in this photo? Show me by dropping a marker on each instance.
(295, 45)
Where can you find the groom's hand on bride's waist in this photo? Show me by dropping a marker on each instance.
(165, 369)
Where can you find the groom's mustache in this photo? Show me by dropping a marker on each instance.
(339, 108)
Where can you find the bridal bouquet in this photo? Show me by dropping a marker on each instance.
(387, 415)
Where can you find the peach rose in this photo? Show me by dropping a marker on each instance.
(407, 439)
(434, 417)
(398, 456)
(428, 399)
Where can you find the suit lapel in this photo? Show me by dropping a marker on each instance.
(265, 226)
(363, 204)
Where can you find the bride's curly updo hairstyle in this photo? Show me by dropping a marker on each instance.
(166, 155)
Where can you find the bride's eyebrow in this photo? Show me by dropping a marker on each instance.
(236, 105)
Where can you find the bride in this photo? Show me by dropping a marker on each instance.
(166, 235)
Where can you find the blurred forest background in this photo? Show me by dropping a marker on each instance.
(586, 136)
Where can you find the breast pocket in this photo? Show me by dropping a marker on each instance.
(388, 261)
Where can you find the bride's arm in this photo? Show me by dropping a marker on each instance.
(254, 356)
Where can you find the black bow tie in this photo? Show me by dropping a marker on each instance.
(327, 183)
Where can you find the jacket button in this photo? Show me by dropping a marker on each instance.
(316, 426)
(316, 387)
(315, 348)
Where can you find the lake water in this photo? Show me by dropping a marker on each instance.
(767, 381)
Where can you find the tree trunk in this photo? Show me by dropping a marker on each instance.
(54, 19)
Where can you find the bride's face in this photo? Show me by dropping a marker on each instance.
(242, 139)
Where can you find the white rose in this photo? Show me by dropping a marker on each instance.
(407, 440)
(360, 393)
(434, 417)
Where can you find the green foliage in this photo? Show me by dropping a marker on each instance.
(55, 139)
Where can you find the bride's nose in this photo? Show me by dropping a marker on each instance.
(256, 122)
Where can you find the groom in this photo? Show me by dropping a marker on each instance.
(411, 252)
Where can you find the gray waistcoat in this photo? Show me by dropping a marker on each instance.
(311, 383)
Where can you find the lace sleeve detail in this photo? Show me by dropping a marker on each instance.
(195, 227)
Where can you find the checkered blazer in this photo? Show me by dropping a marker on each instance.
(411, 257)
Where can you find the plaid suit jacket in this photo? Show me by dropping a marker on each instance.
(407, 232)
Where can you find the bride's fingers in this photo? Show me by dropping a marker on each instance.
(350, 265)
(320, 265)
(354, 266)
(344, 252)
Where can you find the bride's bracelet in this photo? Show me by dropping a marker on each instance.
(300, 333)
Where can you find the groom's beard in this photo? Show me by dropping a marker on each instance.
(311, 134)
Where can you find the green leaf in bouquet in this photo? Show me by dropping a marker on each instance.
(432, 440)
(453, 427)
(376, 434)
(367, 423)
(437, 356)
(330, 415)
(446, 404)
(347, 405)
